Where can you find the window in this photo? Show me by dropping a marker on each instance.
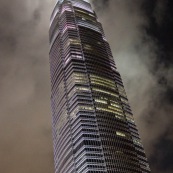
(120, 134)
(104, 91)
(137, 141)
(101, 101)
(102, 81)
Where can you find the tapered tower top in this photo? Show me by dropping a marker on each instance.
(59, 2)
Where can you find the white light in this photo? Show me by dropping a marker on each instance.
(63, 0)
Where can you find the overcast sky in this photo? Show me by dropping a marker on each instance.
(141, 38)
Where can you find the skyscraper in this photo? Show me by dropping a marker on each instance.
(93, 126)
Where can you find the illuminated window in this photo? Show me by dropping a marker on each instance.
(115, 109)
(120, 134)
(101, 101)
(105, 92)
(102, 78)
(98, 80)
(119, 152)
(77, 78)
(84, 17)
(66, 8)
(102, 83)
(137, 141)
(121, 90)
(130, 119)
(81, 11)
(116, 105)
(89, 25)
(77, 90)
(119, 117)
(81, 108)
(67, 27)
(109, 110)
(124, 101)
(88, 47)
(82, 89)
(74, 42)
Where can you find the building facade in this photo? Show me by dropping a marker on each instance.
(93, 126)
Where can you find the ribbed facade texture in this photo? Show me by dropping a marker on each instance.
(93, 126)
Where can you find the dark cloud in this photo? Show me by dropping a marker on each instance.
(25, 118)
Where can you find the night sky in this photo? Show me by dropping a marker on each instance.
(162, 32)
(140, 33)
